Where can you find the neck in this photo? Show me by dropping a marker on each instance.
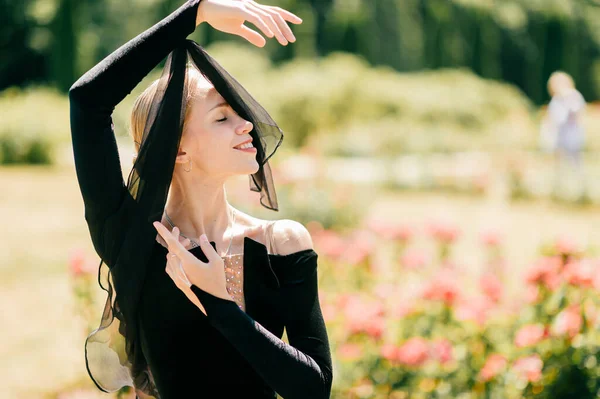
(199, 206)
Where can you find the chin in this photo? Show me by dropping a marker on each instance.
(253, 169)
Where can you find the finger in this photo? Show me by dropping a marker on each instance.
(252, 36)
(282, 26)
(251, 16)
(182, 276)
(288, 16)
(185, 242)
(268, 19)
(163, 231)
(208, 249)
(175, 232)
(177, 275)
(170, 272)
(170, 259)
(289, 35)
(172, 243)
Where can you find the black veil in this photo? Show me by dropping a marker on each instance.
(113, 354)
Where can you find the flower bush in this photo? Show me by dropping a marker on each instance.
(407, 321)
(427, 329)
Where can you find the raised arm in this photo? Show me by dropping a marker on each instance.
(94, 96)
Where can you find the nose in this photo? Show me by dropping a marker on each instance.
(244, 127)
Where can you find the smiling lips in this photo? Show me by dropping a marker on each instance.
(246, 147)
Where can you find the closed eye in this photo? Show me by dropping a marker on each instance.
(222, 120)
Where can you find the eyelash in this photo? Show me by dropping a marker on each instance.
(222, 120)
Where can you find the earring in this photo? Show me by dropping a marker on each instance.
(190, 169)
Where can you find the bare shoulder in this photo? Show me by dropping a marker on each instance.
(287, 236)
(290, 236)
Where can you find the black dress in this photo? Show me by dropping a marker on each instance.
(232, 353)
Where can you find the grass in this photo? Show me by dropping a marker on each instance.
(41, 342)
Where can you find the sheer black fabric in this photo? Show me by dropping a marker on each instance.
(125, 237)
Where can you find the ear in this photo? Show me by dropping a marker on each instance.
(182, 157)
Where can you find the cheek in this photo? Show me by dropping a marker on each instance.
(212, 148)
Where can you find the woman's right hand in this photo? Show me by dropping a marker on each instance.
(229, 16)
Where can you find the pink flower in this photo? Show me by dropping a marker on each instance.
(385, 290)
(443, 287)
(414, 259)
(475, 309)
(350, 351)
(492, 287)
(442, 350)
(532, 294)
(413, 352)
(491, 238)
(444, 232)
(78, 266)
(364, 316)
(530, 335)
(596, 282)
(330, 244)
(494, 364)
(401, 308)
(580, 273)
(389, 352)
(314, 227)
(529, 367)
(391, 231)
(566, 246)
(375, 327)
(545, 272)
(568, 322)
(360, 246)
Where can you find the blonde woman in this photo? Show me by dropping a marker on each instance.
(199, 293)
(562, 130)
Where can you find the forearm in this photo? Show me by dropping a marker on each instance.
(288, 370)
(95, 94)
(107, 83)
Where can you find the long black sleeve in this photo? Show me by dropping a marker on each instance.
(298, 370)
(93, 98)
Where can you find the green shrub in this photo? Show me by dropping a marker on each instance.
(355, 109)
(34, 121)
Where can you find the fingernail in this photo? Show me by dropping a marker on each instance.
(204, 238)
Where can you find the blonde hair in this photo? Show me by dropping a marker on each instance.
(559, 83)
(141, 107)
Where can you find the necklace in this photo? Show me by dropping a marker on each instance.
(194, 243)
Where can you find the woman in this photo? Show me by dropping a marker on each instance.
(562, 132)
(203, 291)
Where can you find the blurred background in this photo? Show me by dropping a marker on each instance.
(455, 212)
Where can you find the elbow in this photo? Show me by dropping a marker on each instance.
(318, 386)
(79, 90)
(321, 388)
(326, 383)
(74, 91)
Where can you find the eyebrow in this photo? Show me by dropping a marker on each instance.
(222, 104)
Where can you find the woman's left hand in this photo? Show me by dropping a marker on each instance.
(185, 269)
(229, 16)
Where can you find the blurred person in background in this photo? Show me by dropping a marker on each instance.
(562, 133)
